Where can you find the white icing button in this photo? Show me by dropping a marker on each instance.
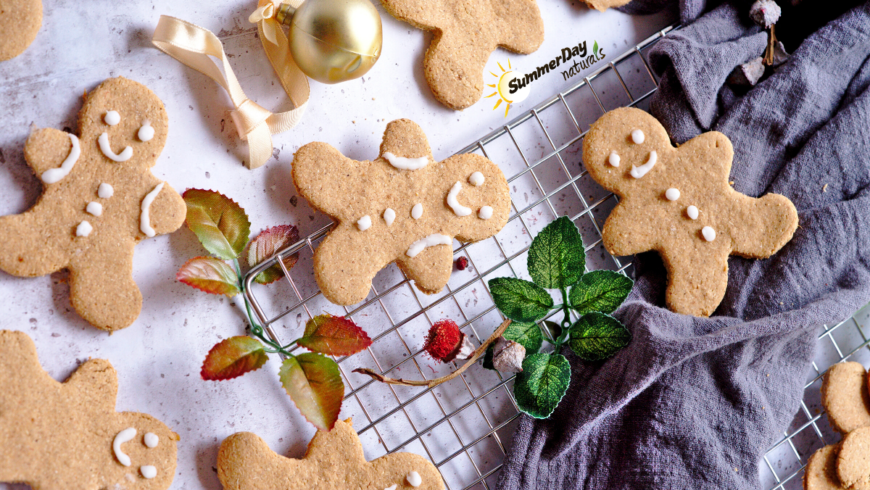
(414, 479)
(476, 179)
(613, 159)
(429, 241)
(145, 218)
(417, 211)
(672, 194)
(105, 191)
(391, 487)
(106, 148)
(112, 118)
(364, 223)
(122, 437)
(53, 175)
(94, 208)
(389, 216)
(637, 136)
(146, 132)
(693, 212)
(84, 229)
(485, 212)
(638, 172)
(151, 440)
(148, 472)
(708, 233)
(457, 208)
(404, 163)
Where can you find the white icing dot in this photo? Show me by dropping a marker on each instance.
(112, 118)
(429, 241)
(637, 136)
(672, 194)
(145, 218)
(457, 208)
(404, 163)
(151, 440)
(708, 233)
(391, 487)
(476, 179)
(693, 212)
(414, 479)
(122, 437)
(53, 175)
(485, 212)
(148, 472)
(106, 148)
(364, 223)
(638, 172)
(389, 216)
(105, 191)
(94, 208)
(417, 211)
(613, 159)
(84, 229)
(146, 132)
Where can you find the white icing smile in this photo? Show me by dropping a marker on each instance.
(429, 241)
(106, 148)
(53, 175)
(638, 172)
(145, 218)
(457, 208)
(404, 163)
(125, 435)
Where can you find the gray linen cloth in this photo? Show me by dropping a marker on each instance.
(695, 402)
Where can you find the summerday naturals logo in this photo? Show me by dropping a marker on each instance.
(513, 86)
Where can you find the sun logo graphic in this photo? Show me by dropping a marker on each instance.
(504, 90)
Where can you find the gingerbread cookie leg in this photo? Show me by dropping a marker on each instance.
(28, 248)
(697, 280)
(456, 82)
(431, 269)
(104, 276)
(20, 21)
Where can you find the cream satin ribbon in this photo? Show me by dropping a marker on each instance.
(192, 45)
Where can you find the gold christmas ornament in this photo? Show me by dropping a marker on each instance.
(333, 40)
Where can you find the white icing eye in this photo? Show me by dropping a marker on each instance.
(476, 179)
(146, 132)
(151, 440)
(417, 211)
(364, 223)
(613, 159)
(148, 472)
(637, 136)
(112, 118)
(672, 194)
(414, 479)
(485, 212)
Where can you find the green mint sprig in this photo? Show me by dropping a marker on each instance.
(312, 379)
(557, 260)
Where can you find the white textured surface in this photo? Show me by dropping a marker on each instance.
(159, 357)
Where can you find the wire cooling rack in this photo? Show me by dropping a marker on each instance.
(462, 426)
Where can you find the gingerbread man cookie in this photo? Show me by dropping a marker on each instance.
(403, 207)
(465, 32)
(68, 435)
(20, 20)
(99, 200)
(678, 202)
(334, 460)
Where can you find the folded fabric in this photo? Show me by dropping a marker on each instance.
(695, 402)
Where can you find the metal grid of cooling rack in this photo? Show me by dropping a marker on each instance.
(539, 152)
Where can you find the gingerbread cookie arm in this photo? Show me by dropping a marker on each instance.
(52, 154)
(522, 27)
(25, 250)
(622, 236)
(697, 278)
(315, 167)
(762, 226)
(422, 15)
(95, 384)
(430, 270)
(166, 212)
(104, 276)
(454, 67)
(710, 155)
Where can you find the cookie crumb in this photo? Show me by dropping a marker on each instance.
(825, 188)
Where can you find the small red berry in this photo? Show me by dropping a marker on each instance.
(462, 263)
(444, 340)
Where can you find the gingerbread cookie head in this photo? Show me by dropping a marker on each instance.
(20, 20)
(334, 460)
(678, 202)
(403, 207)
(100, 198)
(68, 435)
(465, 32)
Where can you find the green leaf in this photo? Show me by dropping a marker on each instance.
(314, 384)
(219, 223)
(600, 291)
(210, 275)
(519, 300)
(233, 357)
(595, 48)
(597, 336)
(556, 256)
(334, 336)
(526, 334)
(268, 242)
(542, 384)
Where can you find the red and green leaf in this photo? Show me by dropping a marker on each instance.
(210, 275)
(314, 384)
(334, 336)
(219, 223)
(232, 358)
(266, 244)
